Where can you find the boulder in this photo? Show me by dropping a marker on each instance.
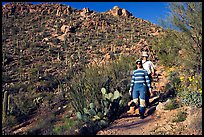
(84, 12)
(160, 106)
(153, 29)
(65, 29)
(126, 13)
(32, 10)
(59, 11)
(68, 10)
(62, 37)
(49, 11)
(116, 11)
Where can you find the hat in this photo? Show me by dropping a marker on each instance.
(144, 54)
(139, 60)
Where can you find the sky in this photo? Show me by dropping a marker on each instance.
(150, 11)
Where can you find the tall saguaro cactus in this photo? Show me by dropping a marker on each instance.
(5, 105)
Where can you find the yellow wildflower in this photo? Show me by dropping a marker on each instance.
(191, 78)
(200, 90)
(181, 78)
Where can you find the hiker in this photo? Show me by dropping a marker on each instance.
(149, 67)
(138, 88)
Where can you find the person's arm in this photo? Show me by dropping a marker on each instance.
(152, 68)
(132, 83)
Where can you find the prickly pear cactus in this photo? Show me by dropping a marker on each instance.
(101, 115)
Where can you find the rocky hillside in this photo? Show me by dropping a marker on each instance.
(47, 38)
(42, 44)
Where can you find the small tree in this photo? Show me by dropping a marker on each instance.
(184, 35)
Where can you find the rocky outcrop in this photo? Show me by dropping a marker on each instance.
(116, 11)
(84, 12)
(68, 10)
(59, 11)
(66, 28)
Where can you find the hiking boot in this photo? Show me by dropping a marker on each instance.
(132, 110)
(142, 116)
(149, 105)
(137, 111)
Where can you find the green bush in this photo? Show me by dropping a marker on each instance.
(24, 105)
(167, 49)
(171, 105)
(189, 90)
(66, 126)
(192, 98)
(188, 85)
(44, 125)
(10, 121)
(181, 116)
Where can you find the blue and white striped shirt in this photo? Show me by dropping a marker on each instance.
(140, 76)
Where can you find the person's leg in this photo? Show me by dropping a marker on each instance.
(147, 92)
(147, 97)
(135, 95)
(142, 92)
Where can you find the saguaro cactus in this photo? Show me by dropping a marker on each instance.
(9, 105)
(5, 105)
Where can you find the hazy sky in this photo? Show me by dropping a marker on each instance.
(150, 11)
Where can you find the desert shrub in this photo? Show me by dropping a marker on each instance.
(15, 88)
(35, 44)
(44, 126)
(174, 78)
(14, 30)
(178, 47)
(6, 78)
(10, 121)
(188, 85)
(55, 41)
(66, 126)
(190, 89)
(173, 104)
(167, 50)
(19, 110)
(191, 98)
(78, 96)
(181, 116)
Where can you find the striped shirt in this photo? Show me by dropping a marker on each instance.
(140, 76)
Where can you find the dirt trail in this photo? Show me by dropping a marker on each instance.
(158, 123)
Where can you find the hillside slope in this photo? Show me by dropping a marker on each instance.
(42, 39)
